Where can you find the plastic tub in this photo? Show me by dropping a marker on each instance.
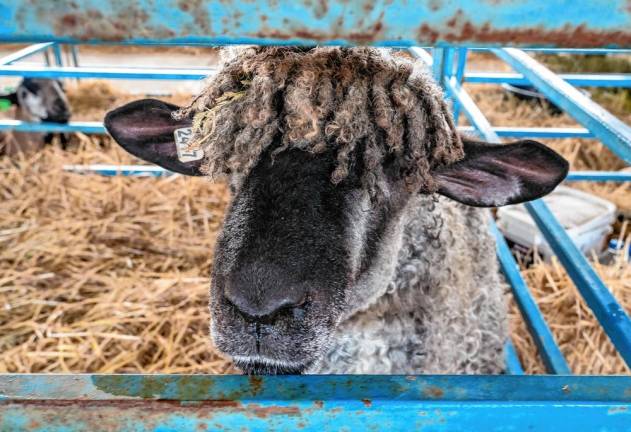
(587, 219)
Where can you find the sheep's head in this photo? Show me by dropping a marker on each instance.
(322, 149)
(42, 100)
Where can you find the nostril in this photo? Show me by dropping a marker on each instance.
(268, 307)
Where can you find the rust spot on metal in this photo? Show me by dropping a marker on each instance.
(435, 5)
(145, 404)
(321, 8)
(93, 24)
(566, 389)
(265, 412)
(318, 403)
(256, 384)
(367, 403)
(462, 30)
(433, 392)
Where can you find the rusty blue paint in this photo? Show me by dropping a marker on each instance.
(406, 23)
(471, 388)
(359, 402)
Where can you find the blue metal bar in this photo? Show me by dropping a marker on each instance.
(513, 365)
(25, 52)
(74, 52)
(108, 73)
(316, 402)
(610, 130)
(607, 310)
(609, 313)
(561, 50)
(422, 55)
(182, 387)
(399, 23)
(613, 176)
(57, 53)
(439, 58)
(535, 132)
(97, 127)
(21, 126)
(471, 111)
(122, 170)
(150, 170)
(578, 80)
(541, 334)
(460, 68)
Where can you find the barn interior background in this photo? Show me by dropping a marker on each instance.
(104, 262)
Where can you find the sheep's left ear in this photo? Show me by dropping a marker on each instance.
(146, 129)
(493, 175)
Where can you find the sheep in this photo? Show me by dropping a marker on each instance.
(36, 100)
(356, 240)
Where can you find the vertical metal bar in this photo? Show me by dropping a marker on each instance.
(610, 130)
(460, 68)
(541, 334)
(57, 52)
(472, 112)
(438, 64)
(513, 365)
(74, 52)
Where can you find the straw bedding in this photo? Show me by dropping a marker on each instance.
(105, 274)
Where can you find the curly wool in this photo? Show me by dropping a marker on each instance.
(366, 105)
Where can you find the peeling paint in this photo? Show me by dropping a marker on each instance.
(385, 22)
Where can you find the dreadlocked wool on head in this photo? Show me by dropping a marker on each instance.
(362, 103)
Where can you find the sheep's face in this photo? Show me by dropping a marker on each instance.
(293, 247)
(43, 100)
(299, 253)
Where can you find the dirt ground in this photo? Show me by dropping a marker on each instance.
(103, 274)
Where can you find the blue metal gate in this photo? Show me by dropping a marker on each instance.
(512, 402)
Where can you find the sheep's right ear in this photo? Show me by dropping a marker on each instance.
(146, 129)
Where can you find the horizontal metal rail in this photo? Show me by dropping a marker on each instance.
(25, 52)
(607, 310)
(401, 23)
(610, 176)
(119, 170)
(77, 126)
(578, 80)
(315, 402)
(151, 170)
(576, 51)
(105, 72)
(610, 130)
(97, 127)
(535, 132)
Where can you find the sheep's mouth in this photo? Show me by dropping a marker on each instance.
(256, 366)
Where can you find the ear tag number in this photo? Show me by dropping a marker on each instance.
(182, 138)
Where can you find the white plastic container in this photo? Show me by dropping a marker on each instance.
(586, 218)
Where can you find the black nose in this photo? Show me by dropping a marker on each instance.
(263, 299)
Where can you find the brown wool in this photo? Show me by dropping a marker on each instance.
(360, 102)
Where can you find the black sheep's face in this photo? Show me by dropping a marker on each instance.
(295, 248)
